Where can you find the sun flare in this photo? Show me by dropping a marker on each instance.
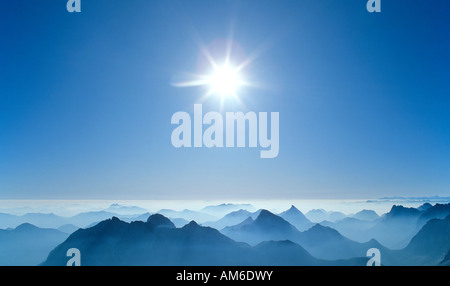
(224, 81)
(224, 78)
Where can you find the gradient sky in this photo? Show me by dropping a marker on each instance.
(86, 99)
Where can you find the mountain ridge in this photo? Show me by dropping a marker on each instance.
(114, 242)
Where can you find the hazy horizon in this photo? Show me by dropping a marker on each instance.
(73, 207)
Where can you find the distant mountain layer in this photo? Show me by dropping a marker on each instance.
(368, 215)
(223, 209)
(127, 210)
(296, 218)
(188, 215)
(27, 244)
(232, 218)
(157, 242)
(319, 215)
(322, 242)
(266, 226)
(405, 236)
(395, 229)
(429, 246)
(54, 221)
(436, 211)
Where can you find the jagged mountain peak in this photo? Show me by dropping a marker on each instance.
(266, 218)
(401, 211)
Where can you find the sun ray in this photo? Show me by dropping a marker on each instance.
(224, 78)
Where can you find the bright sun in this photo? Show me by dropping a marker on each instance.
(224, 81)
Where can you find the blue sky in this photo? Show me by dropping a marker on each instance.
(86, 99)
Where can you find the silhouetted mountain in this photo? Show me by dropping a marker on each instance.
(320, 241)
(154, 239)
(319, 232)
(285, 253)
(237, 227)
(266, 226)
(296, 218)
(39, 219)
(44, 220)
(55, 221)
(51, 220)
(327, 243)
(92, 224)
(288, 253)
(158, 220)
(436, 211)
(86, 218)
(231, 219)
(402, 212)
(368, 215)
(319, 215)
(178, 222)
(27, 245)
(352, 228)
(395, 228)
(424, 207)
(430, 245)
(141, 217)
(267, 220)
(114, 242)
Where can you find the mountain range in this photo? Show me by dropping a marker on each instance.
(321, 241)
(429, 246)
(393, 229)
(240, 237)
(319, 215)
(158, 242)
(232, 218)
(54, 221)
(223, 209)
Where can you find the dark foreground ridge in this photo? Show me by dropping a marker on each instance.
(156, 242)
